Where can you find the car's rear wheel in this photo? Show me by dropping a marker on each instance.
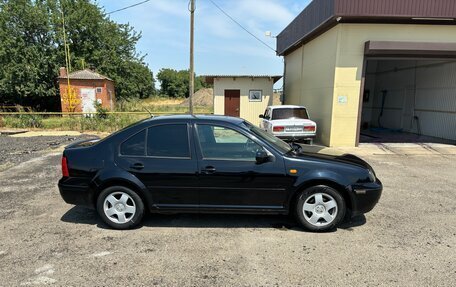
(120, 207)
(320, 208)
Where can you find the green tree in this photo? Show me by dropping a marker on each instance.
(175, 83)
(32, 50)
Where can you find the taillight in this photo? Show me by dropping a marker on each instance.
(309, 128)
(65, 171)
(278, 129)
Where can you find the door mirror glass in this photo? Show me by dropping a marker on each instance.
(261, 157)
(261, 116)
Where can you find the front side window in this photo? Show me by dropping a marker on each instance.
(135, 145)
(267, 137)
(168, 141)
(289, 113)
(223, 143)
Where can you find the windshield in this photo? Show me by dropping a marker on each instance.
(288, 113)
(272, 140)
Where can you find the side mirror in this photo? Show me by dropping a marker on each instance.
(261, 116)
(261, 157)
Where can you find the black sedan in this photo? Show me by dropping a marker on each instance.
(212, 164)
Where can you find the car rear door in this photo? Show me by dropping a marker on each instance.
(230, 178)
(165, 162)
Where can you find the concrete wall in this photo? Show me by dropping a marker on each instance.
(248, 110)
(332, 64)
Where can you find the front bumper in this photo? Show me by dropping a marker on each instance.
(73, 191)
(365, 196)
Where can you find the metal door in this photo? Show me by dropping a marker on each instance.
(232, 103)
(88, 100)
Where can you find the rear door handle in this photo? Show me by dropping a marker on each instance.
(137, 166)
(208, 170)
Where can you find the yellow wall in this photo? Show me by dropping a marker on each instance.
(248, 110)
(332, 64)
(309, 80)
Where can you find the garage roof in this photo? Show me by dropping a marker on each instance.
(321, 15)
(210, 78)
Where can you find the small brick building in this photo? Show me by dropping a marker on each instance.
(87, 87)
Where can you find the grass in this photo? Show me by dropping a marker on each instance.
(107, 123)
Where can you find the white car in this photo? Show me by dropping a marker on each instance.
(288, 122)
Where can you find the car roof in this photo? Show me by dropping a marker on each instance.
(285, 106)
(215, 118)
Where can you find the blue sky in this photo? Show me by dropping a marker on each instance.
(221, 47)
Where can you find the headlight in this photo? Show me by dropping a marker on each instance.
(371, 176)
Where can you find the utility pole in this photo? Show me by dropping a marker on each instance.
(192, 72)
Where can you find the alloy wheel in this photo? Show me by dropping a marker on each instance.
(320, 209)
(119, 207)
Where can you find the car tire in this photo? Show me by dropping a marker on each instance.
(320, 208)
(120, 207)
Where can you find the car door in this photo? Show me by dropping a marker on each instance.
(230, 178)
(162, 157)
(265, 120)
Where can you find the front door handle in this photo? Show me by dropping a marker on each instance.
(208, 170)
(137, 166)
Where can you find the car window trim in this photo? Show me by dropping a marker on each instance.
(248, 136)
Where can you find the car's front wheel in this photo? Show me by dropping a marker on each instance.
(320, 208)
(120, 207)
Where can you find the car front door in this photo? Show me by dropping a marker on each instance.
(162, 157)
(229, 176)
(265, 120)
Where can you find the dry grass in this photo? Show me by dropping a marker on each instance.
(103, 123)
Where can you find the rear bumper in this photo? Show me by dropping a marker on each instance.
(74, 192)
(365, 197)
(294, 136)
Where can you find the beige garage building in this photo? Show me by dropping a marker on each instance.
(365, 64)
(244, 96)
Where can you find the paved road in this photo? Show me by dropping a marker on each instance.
(408, 240)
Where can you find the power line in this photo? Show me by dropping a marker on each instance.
(242, 27)
(125, 8)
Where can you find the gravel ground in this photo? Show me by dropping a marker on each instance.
(409, 239)
(16, 150)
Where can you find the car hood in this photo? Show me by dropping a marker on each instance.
(323, 153)
(290, 122)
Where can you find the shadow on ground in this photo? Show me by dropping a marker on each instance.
(82, 215)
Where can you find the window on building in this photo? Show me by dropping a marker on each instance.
(255, 95)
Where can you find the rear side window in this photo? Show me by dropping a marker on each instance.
(168, 141)
(135, 145)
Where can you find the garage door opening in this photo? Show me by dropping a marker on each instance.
(408, 100)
